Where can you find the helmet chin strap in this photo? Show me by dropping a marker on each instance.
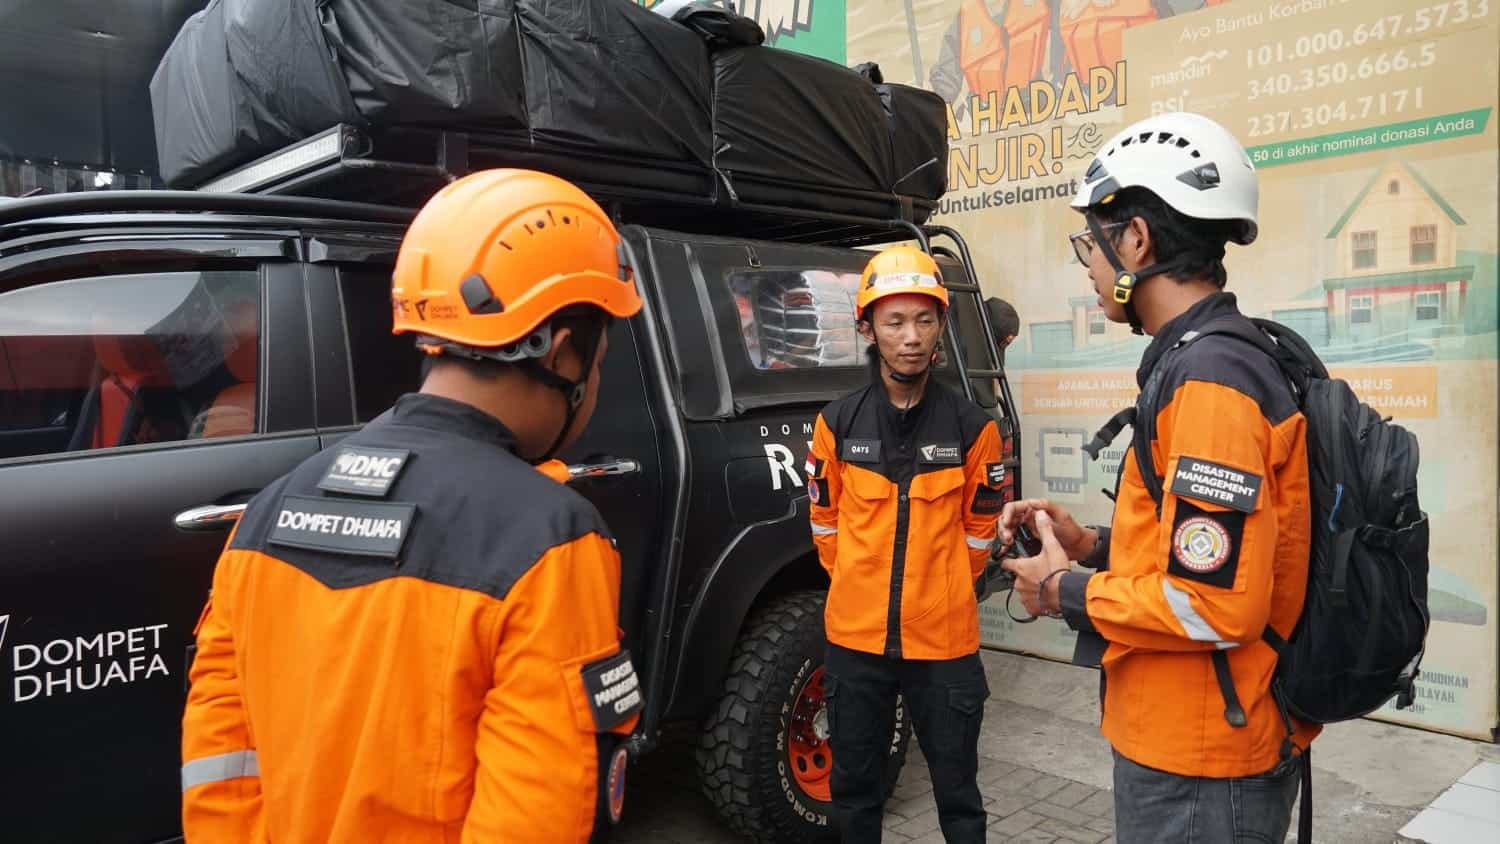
(902, 377)
(1126, 282)
(573, 392)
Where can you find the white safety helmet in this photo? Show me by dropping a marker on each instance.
(1195, 165)
(670, 8)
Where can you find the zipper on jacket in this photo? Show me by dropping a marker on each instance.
(898, 570)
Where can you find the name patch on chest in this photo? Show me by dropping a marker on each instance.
(940, 453)
(1216, 483)
(861, 451)
(364, 471)
(364, 528)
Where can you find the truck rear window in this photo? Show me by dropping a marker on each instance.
(798, 319)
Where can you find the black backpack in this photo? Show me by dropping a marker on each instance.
(1361, 635)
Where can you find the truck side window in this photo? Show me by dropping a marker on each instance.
(118, 360)
(798, 319)
(385, 365)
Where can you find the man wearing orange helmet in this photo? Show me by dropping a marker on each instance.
(904, 502)
(413, 635)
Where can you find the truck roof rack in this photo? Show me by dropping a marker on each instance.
(411, 163)
(52, 206)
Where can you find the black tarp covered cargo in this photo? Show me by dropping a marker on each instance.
(192, 102)
(428, 61)
(782, 117)
(597, 90)
(287, 79)
(243, 78)
(919, 139)
(613, 75)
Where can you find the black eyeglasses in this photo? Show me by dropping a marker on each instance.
(1083, 242)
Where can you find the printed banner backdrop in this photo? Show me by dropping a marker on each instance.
(1372, 123)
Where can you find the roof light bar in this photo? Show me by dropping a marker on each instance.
(323, 148)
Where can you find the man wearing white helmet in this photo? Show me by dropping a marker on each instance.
(1207, 550)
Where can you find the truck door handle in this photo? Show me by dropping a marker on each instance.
(579, 471)
(210, 517)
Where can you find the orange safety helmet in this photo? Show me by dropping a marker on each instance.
(897, 270)
(492, 257)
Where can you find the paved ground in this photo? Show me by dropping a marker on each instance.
(664, 805)
(1045, 773)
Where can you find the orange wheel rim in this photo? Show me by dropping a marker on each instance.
(808, 751)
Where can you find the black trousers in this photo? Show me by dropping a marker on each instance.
(946, 702)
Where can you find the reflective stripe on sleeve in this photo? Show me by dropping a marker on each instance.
(1192, 623)
(822, 530)
(978, 543)
(224, 766)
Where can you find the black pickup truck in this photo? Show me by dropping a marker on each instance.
(164, 355)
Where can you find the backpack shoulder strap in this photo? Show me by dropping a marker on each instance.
(1286, 348)
(1107, 434)
(1145, 421)
(1142, 433)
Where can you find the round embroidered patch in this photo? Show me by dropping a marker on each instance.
(616, 784)
(813, 494)
(1201, 545)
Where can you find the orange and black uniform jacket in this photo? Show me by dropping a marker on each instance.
(1227, 555)
(411, 637)
(903, 514)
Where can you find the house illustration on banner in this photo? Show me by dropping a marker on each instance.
(1398, 260)
(1403, 290)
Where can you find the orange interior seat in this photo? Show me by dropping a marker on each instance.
(232, 412)
(117, 405)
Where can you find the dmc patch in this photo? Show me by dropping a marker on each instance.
(364, 528)
(614, 785)
(814, 467)
(1216, 483)
(817, 490)
(987, 501)
(861, 451)
(364, 471)
(1201, 544)
(994, 473)
(1205, 545)
(941, 453)
(614, 690)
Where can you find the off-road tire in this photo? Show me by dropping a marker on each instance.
(742, 756)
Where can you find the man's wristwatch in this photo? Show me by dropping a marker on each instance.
(1098, 558)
